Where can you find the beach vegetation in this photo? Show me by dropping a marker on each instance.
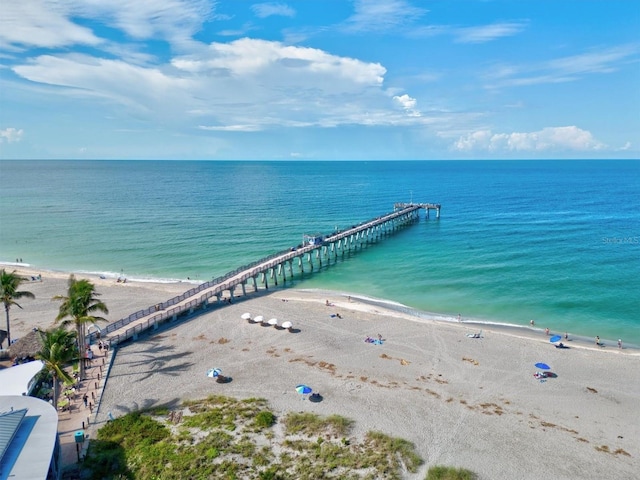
(58, 350)
(223, 438)
(312, 424)
(78, 307)
(265, 419)
(440, 472)
(10, 283)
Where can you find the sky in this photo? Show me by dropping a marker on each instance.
(319, 79)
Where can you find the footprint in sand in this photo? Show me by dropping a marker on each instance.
(353, 387)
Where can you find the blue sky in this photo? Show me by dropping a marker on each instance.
(319, 79)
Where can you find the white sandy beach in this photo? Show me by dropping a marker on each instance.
(465, 402)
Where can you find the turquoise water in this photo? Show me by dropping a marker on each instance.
(554, 241)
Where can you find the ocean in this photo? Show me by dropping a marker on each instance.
(553, 241)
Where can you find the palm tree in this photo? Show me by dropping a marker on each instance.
(80, 304)
(58, 349)
(9, 293)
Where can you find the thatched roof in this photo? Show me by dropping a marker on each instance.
(28, 345)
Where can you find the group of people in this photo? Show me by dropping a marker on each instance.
(599, 343)
(369, 339)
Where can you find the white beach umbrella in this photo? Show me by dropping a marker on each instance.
(273, 322)
(287, 325)
(245, 316)
(258, 319)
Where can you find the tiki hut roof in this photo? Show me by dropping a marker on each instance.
(28, 345)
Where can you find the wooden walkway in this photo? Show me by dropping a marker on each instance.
(269, 267)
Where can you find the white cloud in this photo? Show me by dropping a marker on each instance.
(41, 23)
(408, 104)
(382, 15)
(564, 69)
(11, 135)
(248, 57)
(263, 10)
(50, 23)
(142, 89)
(169, 19)
(231, 128)
(550, 138)
(487, 33)
(245, 85)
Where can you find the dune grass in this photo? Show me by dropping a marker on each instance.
(225, 438)
(440, 472)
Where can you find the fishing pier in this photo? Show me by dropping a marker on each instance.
(312, 253)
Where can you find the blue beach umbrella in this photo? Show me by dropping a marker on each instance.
(303, 389)
(542, 366)
(555, 338)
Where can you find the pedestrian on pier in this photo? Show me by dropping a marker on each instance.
(85, 399)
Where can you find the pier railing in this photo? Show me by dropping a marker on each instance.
(175, 306)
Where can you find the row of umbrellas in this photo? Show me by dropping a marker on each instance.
(260, 319)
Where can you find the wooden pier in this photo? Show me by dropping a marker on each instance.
(310, 254)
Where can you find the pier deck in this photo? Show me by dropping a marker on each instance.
(264, 269)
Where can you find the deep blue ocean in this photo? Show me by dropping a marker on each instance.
(554, 241)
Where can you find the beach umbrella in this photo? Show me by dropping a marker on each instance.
(542, 366)
(303, 389)
(555, 338)
(287, 325)
(258, 319)
(273, 321)
(213, 372)
(245, 316)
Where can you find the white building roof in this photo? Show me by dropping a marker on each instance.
(16, 380)
(31, 441)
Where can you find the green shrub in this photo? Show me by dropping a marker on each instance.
(440, 472)
(265, 419)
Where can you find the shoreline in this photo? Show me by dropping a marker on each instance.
(517, 331)
(177, 287)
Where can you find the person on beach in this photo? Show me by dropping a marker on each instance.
(619, 343)
(566, 336)
(459, 317)
(546, 330)
(598, 340)
(532, 323)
